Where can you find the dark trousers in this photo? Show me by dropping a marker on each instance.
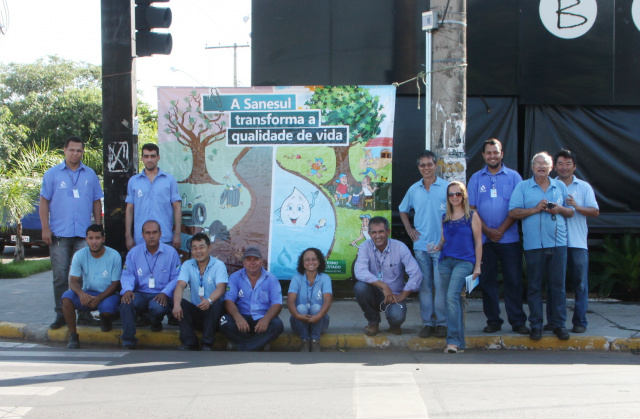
(195, 319)
(251, 341)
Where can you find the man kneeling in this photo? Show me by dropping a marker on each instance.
(207, 278)
(99, 269)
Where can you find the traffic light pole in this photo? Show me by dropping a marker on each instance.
(119, 115)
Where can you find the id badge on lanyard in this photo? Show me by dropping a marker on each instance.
(152, 282)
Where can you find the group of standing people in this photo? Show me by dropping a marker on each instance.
(461, 232)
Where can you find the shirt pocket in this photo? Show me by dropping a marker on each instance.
(263, 297)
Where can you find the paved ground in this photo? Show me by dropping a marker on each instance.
(27, 308)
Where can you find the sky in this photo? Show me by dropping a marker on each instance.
(71, 29)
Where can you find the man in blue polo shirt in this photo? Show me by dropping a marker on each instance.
(253, 302)
(98, 267)
(583, 200)
(207, 279)
(489, 193)
(539, 203)
(153, 195)
(70, 195)
(428, 198)
(148, 280)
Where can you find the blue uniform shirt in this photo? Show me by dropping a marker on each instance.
(153, 201)
(165, 265)
(429, 206)
(577, 228)
(256, 301)
(540, 230)
(490, 195)
(215, 273)
(70, 216)
(307, 293)
(97, 274)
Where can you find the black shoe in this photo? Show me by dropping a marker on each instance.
(441, 331)
(315, 345)
(521, 329)
(561, 333)
(536, 334)
(187, 348)
(206, 347)
(172, 321)
(579, 329)
(74, 341)
(105, 323)
(156, 327)
(547, 327)
(58, 322)
(142, 321)
(129, 347)
(427, 332)
(492, 328)
(86, 319)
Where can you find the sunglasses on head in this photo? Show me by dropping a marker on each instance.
(455, 193)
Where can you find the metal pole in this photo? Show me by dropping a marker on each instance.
(235, 47)
(427, 93)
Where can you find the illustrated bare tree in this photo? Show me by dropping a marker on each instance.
(196, 130)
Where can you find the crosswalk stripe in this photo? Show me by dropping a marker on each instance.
(64, 354)
(39, 375)
(12, 412)
(29, 391)
(377, 396)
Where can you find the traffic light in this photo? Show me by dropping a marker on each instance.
(148, 18)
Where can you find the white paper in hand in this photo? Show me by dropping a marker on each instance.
(472, 283)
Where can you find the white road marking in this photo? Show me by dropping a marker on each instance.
(384, 395)
(13, 412)
(29, 391)
(64, 354)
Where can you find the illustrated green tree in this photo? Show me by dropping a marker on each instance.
(52, 98)
(20, 180)
(353, 106)
(196, 130)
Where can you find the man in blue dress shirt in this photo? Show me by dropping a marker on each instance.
(70, 195)
(207, 279)
(253, 302)
(539, 203)
(153, 195)
(380, 268)
(428, 198)
(489, 193)
(148, 281)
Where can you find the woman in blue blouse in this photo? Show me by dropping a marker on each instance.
(309, 299)
(461, 256)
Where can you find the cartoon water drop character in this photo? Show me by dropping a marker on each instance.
(296, 209)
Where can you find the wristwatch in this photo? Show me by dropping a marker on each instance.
(209, 300)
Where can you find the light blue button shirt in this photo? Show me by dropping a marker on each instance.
(577, 228)
(215, 273)
(165, 265)
(429, 206)
(256, 301)
(153, 201)
(70, 216)
(307, 293)
(97, 273)
(490, 195)
(540, 230)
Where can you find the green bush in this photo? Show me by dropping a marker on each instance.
(24, 269)
(619, 260)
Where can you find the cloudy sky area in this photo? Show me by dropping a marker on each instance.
(71, 29)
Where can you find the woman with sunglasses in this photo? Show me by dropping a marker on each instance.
(461, 255)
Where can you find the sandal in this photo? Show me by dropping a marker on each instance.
(451, 349)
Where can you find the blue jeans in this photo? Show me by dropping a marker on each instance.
(108, 305)
(309, 330)
(61, 252)
(251, 341)
(578, 271)
(195, 319)
(432, 290)
(552, 264)
(371, 301)
(453, 273)
(141, 302)
(510, 257)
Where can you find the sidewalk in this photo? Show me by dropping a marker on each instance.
(26, 310)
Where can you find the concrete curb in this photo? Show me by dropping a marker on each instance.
(169, 339)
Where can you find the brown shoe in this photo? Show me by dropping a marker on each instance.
(394, 330)
(371, 329)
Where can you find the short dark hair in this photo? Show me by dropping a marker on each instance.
(151, 147)
(492, 141)
(96, 228)
(151, 221)
(380, 220)
(73, 140)
(429, 154)
(322, 263)
(198, 237)
(567, 154)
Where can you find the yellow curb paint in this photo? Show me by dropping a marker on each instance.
(483, 342)
(426, 344)
(94, 335)
(547, 343)
(58, 335)
(625, 344)
(11, 330)
(164, 338)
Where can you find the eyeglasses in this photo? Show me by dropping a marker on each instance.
(458, 194)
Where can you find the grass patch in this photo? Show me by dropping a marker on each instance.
(24, 269)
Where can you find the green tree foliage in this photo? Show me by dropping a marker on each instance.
(620, 262)
(52, 98)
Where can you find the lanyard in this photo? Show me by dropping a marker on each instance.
(380, 261)
(151, 268)
(74, 182)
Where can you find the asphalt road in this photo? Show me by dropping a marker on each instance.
(52, 382)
